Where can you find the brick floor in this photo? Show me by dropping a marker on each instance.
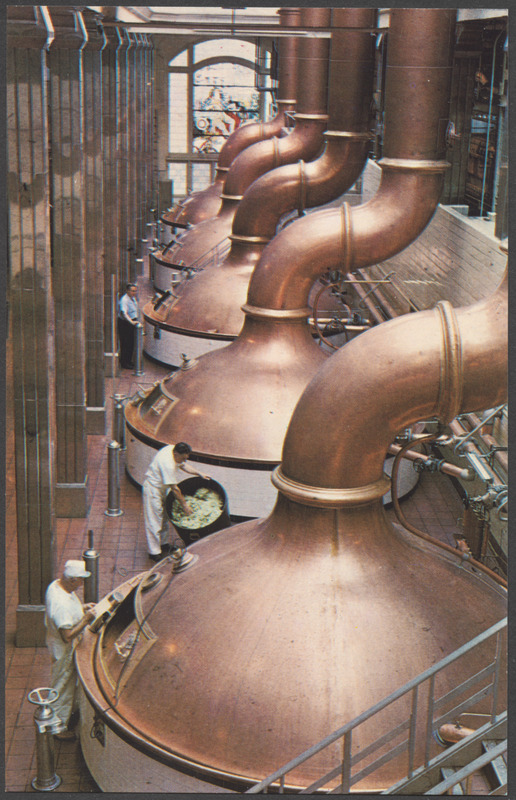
(434, 506)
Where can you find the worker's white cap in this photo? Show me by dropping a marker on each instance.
(75, 569)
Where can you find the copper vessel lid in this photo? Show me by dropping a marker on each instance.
(283, 630)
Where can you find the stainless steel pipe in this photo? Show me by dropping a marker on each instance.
(138, 349)
(118, 432)
(113, 509)
(91, 583)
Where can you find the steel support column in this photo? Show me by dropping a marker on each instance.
(68, 255)
(31, 314)
(94, 225)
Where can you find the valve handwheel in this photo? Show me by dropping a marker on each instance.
(35, 696)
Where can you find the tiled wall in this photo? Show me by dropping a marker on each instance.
(455, 258)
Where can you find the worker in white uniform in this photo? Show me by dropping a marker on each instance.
(65, 619)
(165, 471)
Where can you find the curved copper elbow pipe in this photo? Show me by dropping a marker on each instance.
(288, 66)
(310, 119)
(412, 173)
(345, 152)
(441, 362)
(302, 185)
(204, 204)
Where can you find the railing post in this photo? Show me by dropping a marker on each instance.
(412, 732)
(138, 348)
(496, 675)
(346, 763)
(429, 717)
(113, 509)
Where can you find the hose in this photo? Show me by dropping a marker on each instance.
(403, 521)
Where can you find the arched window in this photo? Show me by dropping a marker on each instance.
(214, 87)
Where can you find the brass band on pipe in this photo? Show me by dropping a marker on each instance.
(413, 163)
(222, 169)
(237, 197)
(302, 186)
(297, 116)
(285, 102)
(451, 368)
(234, 237)
(282, 315)
(275, 144)
(364, 136)
(347, 238)
(329, 498)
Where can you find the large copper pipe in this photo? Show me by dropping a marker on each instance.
(236, 400)
(325, 590)
(305, 142)
(212, 302)
(202, 205)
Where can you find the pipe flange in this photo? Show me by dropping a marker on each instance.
(319, 497)
(346, 238)
(302, 187)
(236, 197)
(278, 314)
(285, 102)
(413, 164)
(234, 237)
(315, 117)
(451, 376)
(359, 137)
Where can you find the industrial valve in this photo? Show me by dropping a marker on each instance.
(47, 724)
(495, 498)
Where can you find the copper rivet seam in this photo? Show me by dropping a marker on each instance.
(234, 237)
(347, 238)
(413, 164)
(451, 367)
(320, 497)
(231, 197)
(302, 186)
(285, 314)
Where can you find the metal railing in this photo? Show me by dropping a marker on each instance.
(212, 257)
(432, 711)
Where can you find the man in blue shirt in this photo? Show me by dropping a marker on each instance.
(128, 314)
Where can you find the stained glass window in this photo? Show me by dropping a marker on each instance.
(213, 89)
(224, 97)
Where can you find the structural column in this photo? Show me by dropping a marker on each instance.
(123, 53)
(68, 256)
(94, 224)
(111, 193)
(31, 317)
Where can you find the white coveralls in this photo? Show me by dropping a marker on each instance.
(163, 472)
(63, 610)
